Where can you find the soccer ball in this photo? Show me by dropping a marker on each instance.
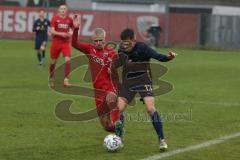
(112, 142)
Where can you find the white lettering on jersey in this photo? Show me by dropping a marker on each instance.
(63, 26)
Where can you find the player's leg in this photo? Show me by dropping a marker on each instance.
(106, 122)
(67, 71)
(108, 112)
(43, 48)
(111, 100)
(66, 50)
(125, 97)
(39, 53)
(122, 103)
(53, 62)
(54, 54)
(156, 120)
(119, 126)
(104, 116)
(39, 56)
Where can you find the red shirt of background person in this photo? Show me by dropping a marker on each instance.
(100, 58)
(61, 28)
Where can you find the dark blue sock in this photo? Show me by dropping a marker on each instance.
(39, 56)
(157, 124)
(43, 54)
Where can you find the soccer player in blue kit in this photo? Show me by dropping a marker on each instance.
(40, 27)
(137, 79)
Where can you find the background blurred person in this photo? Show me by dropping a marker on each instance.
(40, 27)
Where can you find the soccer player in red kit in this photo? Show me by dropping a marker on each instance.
(100, 58)
(61, 26)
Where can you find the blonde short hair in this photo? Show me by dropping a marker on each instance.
(99, 33)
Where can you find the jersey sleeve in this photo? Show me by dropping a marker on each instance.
(83, 47)
(119, 60)
(155, 55)
(34, 26)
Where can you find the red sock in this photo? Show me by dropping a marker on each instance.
(110, 128)
(115, 115)
(51, 70)
(67, 69)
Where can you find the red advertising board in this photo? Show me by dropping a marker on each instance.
(16, 22)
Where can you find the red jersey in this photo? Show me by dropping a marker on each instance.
(61, 25)
(99, 60)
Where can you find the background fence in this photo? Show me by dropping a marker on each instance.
(188, 30)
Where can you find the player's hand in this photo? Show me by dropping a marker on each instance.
(49, 33)
(38, 28)
(171, 55)
(76, 21)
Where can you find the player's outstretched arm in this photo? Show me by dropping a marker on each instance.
(158, 56)
(83, 47)
(75, 42)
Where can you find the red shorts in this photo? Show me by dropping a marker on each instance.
(57, 48)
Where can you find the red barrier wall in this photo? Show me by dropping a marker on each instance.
(16, 22)
(183, 29)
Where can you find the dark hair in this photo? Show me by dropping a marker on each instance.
(127, 33)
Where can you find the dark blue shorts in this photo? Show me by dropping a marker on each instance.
(39, 42)
(141, 85)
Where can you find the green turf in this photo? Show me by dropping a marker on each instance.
(206, 90)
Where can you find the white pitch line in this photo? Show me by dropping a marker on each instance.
(193, 147)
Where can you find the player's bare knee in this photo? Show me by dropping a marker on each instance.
(67, 59)
(53, 61)
(111, 100)
(122, 102)
(151, 109)
(149, 102)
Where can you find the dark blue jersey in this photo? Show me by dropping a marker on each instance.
(143, 53)
(40, 27)
(136, 63)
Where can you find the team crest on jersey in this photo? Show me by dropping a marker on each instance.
(105, 54)
(98, 60)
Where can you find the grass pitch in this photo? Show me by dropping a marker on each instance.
(204, 105)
